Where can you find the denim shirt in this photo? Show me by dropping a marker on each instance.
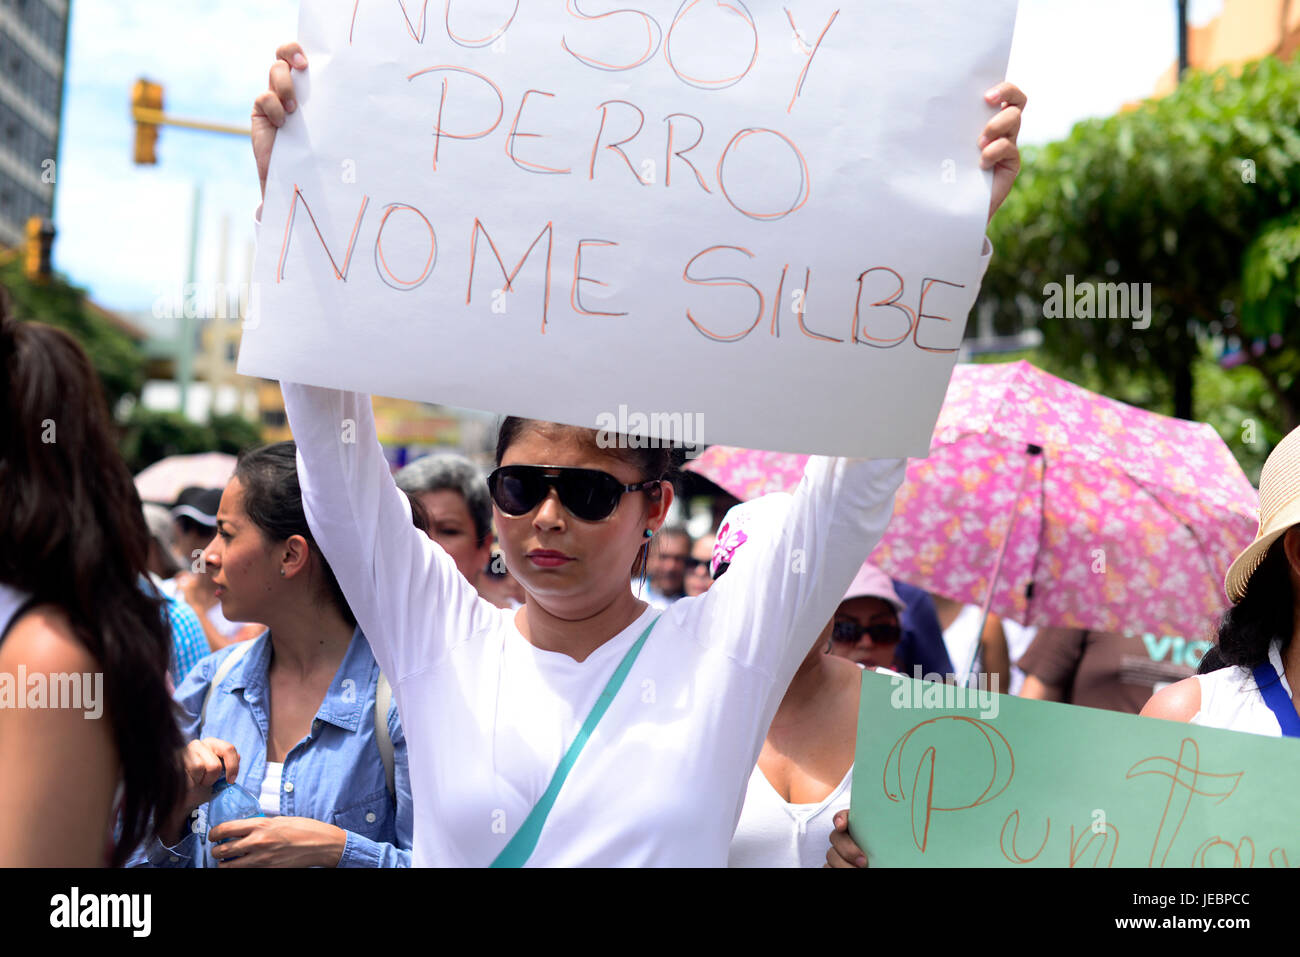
(334, 774)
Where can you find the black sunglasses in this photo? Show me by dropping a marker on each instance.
(698, 565)
(589, 494)
(850, 632)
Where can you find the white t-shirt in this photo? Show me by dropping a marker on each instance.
(1231, 699)
(269, 799)
(775, 833)
(961, 638)
(488, 716)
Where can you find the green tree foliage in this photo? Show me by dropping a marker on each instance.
(114, 356)
(152, 435)
(1242, 409)
(1192, 193)
(148, 435)
(234, 434)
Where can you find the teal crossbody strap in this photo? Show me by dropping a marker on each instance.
(520, 848)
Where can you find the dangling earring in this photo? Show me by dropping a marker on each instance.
(645, 559)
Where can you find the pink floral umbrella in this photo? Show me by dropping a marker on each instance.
(1053, 505)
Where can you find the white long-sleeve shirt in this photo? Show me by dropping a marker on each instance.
(488, 716)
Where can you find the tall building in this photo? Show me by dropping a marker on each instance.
(33, 46)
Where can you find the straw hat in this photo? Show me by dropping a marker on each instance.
(1279, 509)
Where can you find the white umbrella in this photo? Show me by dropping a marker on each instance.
(164, 480)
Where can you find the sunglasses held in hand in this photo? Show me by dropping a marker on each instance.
(589, 494)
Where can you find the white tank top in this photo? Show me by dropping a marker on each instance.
(774, 833)
(1230, 699)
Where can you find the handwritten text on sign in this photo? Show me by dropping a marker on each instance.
(940, 780)
(547, 208)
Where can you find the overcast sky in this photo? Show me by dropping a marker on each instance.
(124, 229)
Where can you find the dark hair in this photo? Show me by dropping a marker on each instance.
(273, 502)
(1211, 661)
(419, 514)
(72, 535)
(1265, 612)
(654, 464)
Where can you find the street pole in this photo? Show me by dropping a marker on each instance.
(1184, 382)
(146, 110)
(1182, 39)
(185, 373)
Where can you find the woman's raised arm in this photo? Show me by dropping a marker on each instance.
(406, 592)
(403, 588)
(784, 586)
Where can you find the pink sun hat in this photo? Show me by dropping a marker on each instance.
(871, 582)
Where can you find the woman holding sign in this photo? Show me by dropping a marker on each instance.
(583, 728)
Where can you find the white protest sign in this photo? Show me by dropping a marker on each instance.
(761, 219)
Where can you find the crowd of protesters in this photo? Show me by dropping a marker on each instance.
(280, 689)
(394, 666)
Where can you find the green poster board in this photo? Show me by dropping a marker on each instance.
(943, 777)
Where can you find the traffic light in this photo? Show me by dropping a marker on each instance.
(40, 243)
(146, 108)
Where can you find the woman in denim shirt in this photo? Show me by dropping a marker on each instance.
(297, 706)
